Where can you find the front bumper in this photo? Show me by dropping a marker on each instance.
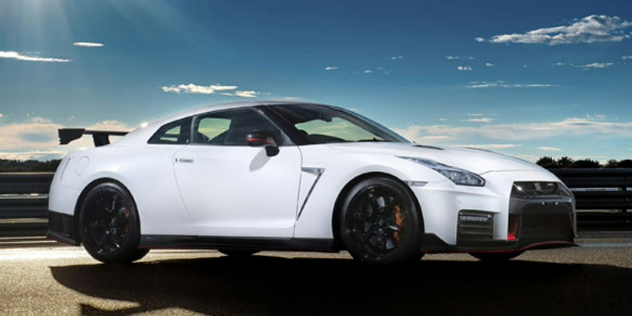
(540, 215)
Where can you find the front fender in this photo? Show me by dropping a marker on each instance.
(339, 168)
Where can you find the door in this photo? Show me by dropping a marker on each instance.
(231, 189)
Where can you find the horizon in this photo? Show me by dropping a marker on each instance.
(522, 79)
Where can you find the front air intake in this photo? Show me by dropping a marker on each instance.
(475, 226)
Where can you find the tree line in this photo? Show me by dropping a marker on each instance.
(567, 162)
(28, 165)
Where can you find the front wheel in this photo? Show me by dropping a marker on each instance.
(380, 222)
(109, 224)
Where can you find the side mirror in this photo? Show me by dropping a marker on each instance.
(265, 139)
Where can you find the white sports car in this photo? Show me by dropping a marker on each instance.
(246, 177)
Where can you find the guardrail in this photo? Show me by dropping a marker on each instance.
(24, 203)
(603, 198)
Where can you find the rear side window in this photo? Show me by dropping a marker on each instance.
(175, 133)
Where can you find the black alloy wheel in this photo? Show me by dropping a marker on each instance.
(380, 222)
(109, 224)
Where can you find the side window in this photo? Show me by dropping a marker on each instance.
(230, 127)
(336, 129)
(174, 133)
(211, 130)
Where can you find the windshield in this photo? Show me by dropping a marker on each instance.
(319, 124)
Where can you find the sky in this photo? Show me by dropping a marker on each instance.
(523, 78)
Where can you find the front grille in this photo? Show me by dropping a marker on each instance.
(545, 211)
(537, 189)
(540, 214)
(546, 227)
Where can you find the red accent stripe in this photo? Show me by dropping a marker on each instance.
(551, 244)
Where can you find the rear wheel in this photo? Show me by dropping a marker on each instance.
(495, 256)
(380, 222)
(109, 224)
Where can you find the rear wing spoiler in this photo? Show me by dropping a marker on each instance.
(100, 138)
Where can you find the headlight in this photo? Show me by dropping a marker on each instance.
(456, 175)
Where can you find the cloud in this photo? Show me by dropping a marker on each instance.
(591, 29)
(246, 94)
(110, 125)
(242, 94)
(549, 149)
(574, 126)
(435, 138)
(384, 70)
(397, 57)
(330, 68)
(489, 65)
(464, 68)
(40, 120)
(459, 57)
(171, 89)
(1, 115)
(502, 84)
(626, 57)
(492, 146)
(18, 56)
(87, 44)
(597, 65)
(368, 71)
(479, 120)
(587, 66)
(195, 89)
(479, 39)
(41, 155)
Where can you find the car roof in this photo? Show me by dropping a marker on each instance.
(143, 133)
(230, 105)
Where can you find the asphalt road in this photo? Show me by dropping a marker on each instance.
(46, 279)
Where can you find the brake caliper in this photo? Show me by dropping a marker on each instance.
(399, 222)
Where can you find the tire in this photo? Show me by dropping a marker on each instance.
(495, 256)
(380, 223)
(109, 224)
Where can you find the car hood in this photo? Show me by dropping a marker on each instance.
(474, 160)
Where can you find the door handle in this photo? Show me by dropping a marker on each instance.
(185, 160)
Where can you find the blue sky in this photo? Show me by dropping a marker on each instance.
(528, 79)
